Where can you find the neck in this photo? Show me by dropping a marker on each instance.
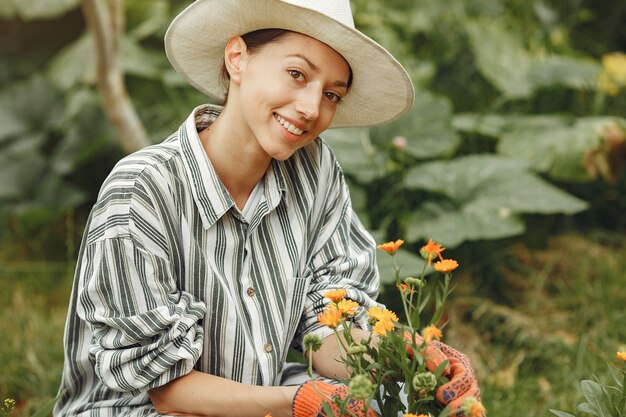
(235, 155)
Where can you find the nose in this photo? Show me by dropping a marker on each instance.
(308, 102)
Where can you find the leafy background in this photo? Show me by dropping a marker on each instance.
(512, 157)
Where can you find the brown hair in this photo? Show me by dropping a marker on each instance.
(255, 40)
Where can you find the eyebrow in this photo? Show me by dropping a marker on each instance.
(315, 68)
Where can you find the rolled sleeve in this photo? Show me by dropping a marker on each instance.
(145, 331)
(346, 260)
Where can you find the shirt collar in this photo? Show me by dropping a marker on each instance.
(211, 196)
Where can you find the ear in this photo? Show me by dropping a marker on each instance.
(235, 54)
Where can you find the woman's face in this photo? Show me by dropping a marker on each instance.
(288, 92)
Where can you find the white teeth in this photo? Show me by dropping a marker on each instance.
(291, 128)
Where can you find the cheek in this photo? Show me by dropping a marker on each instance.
(326, 117)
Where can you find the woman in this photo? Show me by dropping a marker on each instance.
(207, 256)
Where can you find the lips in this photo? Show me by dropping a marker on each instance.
(291, 128)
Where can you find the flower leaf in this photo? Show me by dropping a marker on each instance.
(596, 399)
(561, 413)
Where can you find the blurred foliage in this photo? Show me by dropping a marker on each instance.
(515, 115)
(517, 134)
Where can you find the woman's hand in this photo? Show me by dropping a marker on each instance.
(308, 402)
(462, 382)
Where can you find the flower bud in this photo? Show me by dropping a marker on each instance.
(360, 387)
(312, 342)
(424, 381)
(356, 349)
(415, 282)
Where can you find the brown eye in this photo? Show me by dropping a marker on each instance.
(333, 97)
(296, 75)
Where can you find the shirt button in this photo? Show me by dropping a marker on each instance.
(250, 291)
(267, 347)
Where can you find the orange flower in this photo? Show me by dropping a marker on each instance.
(268, 415)
(380, 314)
(405, 289)
(430, 250)
(383, 326)
(375, 313)
(412, 415)
(391, 247)
(622, 356)
(348, 307)
(330, 317)
(431, 332)
(335, 295)
(446, 265)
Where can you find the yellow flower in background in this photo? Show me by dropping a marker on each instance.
(446, 265)
(335, 295)
(414, 415)
(383, 326)
(622, 356)
(613, 75)
(391, 247)
(431, 250)
(615, 65)
(431, 332)
(348, 307)
(330, 317)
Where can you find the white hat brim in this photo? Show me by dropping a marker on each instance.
(381, 89)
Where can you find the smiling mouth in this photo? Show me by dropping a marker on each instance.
(291, 128)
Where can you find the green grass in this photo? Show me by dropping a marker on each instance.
(560, 319)
(34, 299)
(563, 321)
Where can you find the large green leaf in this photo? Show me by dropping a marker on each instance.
(559, 151)
(141, 61)
(461, 178)
(146, 18)
(21, 169)
(74, 65)
(35, 9)
(496, 125)
(453, 226)
(482, 196)
(356, 154)
(503, 60)
(568, 71)
(10, 123)
(29, 105)
(501, 57)
(427, 128)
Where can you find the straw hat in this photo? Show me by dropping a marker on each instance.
(381, 89)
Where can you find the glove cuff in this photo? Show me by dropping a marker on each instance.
(307, 402)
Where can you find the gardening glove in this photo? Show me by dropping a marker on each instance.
(462, 382)
(309, 403)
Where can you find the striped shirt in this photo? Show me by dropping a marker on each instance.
(172, 277)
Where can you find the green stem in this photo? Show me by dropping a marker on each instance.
(623, 407)
(396, 268)
(406, 310)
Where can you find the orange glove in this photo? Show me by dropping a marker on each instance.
(462, 382)
(308, 402)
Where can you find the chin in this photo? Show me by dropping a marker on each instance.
(282, 156)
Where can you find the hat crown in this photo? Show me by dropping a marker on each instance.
(338, 10)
